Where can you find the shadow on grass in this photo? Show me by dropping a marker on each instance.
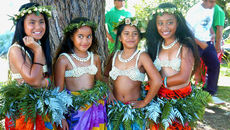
(217, 117)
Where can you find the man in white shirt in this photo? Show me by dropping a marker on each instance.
(199, 18)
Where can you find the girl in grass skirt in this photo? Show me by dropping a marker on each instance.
(127, 71)
(174, 52)
(77, 68)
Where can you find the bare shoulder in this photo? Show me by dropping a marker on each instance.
(145, 59)
(187, 53)
(144, 55)
(62, 59)
(15, 55)
(15, 50)
(96, 58)
(186, 50)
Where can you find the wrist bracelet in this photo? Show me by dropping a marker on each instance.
(38, 63)
(165, 82)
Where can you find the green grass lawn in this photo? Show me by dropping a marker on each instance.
(224, 93)
(224, 89)
(225, 70)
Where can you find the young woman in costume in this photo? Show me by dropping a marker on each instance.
(128, 69)
(77, 68)
(172, 47)
(31, 66)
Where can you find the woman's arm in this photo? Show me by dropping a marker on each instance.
(187, 63)
(98, 65)
(31, 73)
(59, 72)
(155, 81)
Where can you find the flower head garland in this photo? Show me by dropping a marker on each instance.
(74, 26)
(133, 21)
(34, 9)
(161, 11)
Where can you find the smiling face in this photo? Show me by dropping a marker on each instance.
(166, 26)
(35, 26)
(130, 37)
(82, 38)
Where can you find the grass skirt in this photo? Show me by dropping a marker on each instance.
(179, 109)
(27, 108)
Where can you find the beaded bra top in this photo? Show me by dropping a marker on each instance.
(18, 75)
(79, 71)
(174, 63)
(133, 73)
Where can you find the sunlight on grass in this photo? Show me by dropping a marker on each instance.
(224, 93)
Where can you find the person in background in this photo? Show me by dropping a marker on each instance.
(117, 13)
(218, 26)
(200, 18)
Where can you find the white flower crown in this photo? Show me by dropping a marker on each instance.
(34, 9)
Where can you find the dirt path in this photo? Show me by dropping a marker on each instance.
(217, 117)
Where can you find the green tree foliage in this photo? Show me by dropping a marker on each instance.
(225, 5)
(144, 10)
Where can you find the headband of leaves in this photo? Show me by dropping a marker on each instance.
(74, 26)
(133, 21)
(34, 9)
(161, 11)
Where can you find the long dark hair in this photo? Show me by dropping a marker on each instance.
(183, 34)
(118, 44)
(67, 44)
(19, 34)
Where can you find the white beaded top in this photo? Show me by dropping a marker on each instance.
(18, 75)
(79, 71)
(174, 63)
(133, 73)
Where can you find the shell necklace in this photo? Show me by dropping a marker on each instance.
(169, 46)
(129, 59)
(81, 59)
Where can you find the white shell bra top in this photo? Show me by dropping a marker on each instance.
(174, 63)
(79, 71)
(133, 73)
(18, 75)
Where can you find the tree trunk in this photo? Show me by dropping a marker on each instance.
(65, 10)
